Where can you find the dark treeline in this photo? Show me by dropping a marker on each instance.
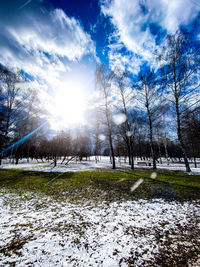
(152, 115)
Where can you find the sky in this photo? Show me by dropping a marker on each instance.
(56, 44)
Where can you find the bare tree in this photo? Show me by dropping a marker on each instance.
(191, 132)
(180, 72)
(98, 138)
(103, 82)
(11, 103)
(126, 128)
(147, 91)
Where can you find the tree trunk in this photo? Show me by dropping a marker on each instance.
(132, 158)
(159, 153)
(63, 159)
(55, 161)
(110, 135)
(151, 138)
(166, 152)
(129, 154)
(112, 152)
(187, 166)
(194, 156)
(17, 160)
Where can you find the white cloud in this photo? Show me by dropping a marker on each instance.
(46, 44)
(127, 17)
(132, 19)
(42, 40)
(130, 62)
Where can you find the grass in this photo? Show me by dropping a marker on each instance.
(103, 185)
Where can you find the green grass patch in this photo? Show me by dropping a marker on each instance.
(103, 185)
(172, 177)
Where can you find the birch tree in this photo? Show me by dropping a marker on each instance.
(148, 96)
(180, 70)
(125, 98)
(103, 83)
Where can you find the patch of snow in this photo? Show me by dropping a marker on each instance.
(91, 164)
(36, 230)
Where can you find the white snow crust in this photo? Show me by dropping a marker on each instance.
(90, 164)
(36, 230)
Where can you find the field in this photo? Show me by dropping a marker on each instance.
(99, 218)
(91, 164)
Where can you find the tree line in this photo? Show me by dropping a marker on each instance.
(169, 92)
(151, 115)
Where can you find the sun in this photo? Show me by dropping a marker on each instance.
(68, 107)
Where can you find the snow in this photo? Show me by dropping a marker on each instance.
(90, 164)
(59, 233)
(36, 230)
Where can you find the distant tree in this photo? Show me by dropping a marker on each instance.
(67, 149)
(191, 132)
(161, 131)
(141, 136)
(83, 148)
(56, 148)
(164, 136)
(120, 147)
(97, 137)
(43, 149)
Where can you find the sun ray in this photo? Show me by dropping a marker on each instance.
(68, 107)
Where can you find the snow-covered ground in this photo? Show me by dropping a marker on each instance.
(91, 164)
(36, 230)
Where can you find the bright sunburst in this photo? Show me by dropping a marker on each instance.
(68, 106)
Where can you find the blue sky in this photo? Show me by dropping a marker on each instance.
(57, 42)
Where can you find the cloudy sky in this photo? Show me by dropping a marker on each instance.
(57, 43)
